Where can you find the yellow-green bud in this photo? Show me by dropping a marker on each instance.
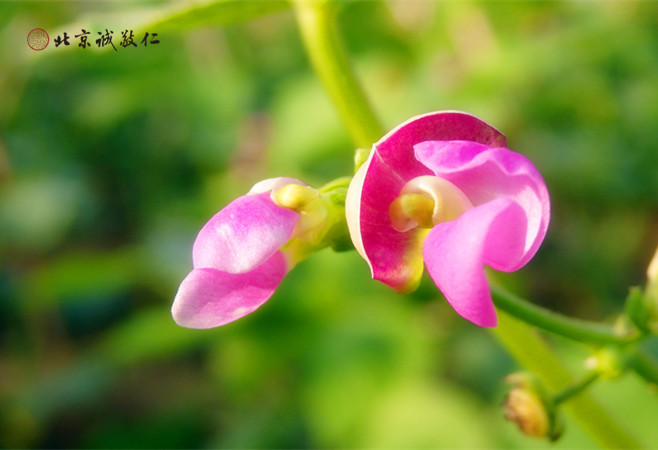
(526, 410)
(607, 362)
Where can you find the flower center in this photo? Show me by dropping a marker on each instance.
(425, 201)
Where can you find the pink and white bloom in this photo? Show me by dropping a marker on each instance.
(442, 191)
(237, 258)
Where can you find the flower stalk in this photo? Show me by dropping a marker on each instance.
(576, 329)
(318, 27)
(576, 388)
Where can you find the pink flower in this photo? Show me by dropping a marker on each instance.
(237, 257)
(442, 191)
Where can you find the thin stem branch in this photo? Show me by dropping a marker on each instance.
(575, 388)
(579, 330)
(317, 23)
(532, 352)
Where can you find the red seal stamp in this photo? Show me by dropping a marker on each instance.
(38, 39)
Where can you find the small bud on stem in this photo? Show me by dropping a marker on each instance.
(528, 406)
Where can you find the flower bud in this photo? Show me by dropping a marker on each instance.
(528, 406)
(607, 362)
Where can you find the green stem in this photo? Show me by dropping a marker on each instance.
(576, 329)
(579, 330)
(575, 388)
(532, 352)
(317, 23)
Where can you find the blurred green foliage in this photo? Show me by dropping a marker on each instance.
(110, 162)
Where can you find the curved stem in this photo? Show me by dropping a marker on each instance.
(579, 330)
(316, 20)
(532, 352)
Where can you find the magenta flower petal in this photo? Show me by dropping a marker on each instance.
(209, 298)
(397, 147)
(454, 252)
(243, 235)
(374, 238)
(484, 173)
(378, 182)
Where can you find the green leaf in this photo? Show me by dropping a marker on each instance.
(176, 18)
(221, 12)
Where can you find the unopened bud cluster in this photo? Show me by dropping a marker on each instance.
(528, 406)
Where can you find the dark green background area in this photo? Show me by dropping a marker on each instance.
(110, 163)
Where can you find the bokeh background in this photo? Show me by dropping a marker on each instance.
(110, 162)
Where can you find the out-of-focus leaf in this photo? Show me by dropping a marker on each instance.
(192, 14)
